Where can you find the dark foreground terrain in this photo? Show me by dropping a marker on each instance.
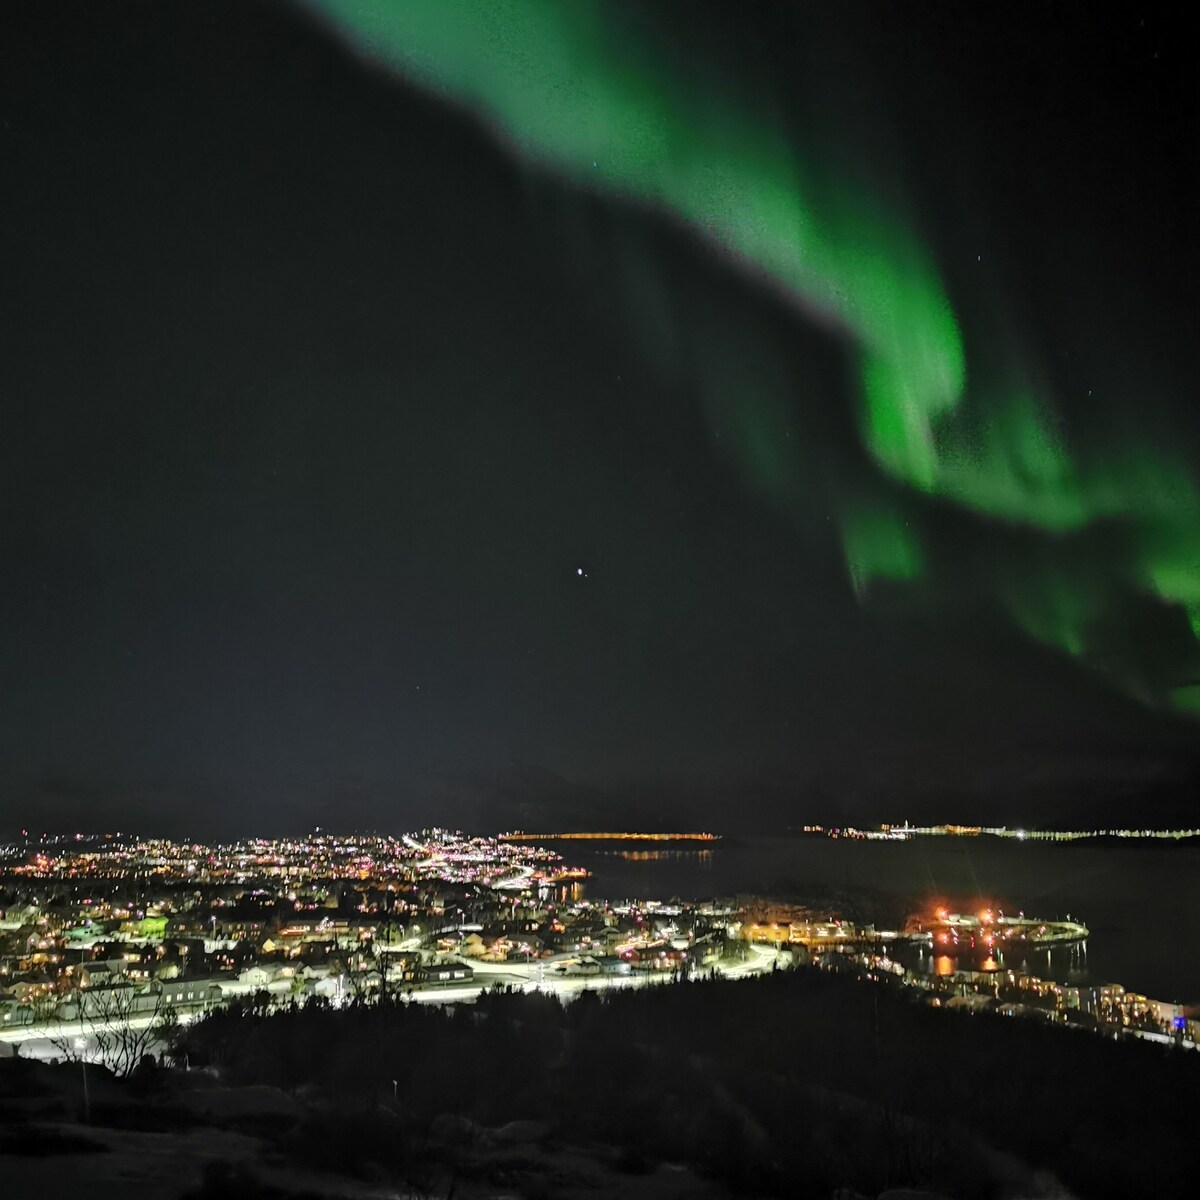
(799, 1084)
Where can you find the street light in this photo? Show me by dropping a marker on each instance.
(81, 1045)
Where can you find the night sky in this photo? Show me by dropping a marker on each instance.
(728, 414)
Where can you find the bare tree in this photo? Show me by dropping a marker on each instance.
(364, 970)
(121, 1027)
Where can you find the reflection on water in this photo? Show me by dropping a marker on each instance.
(1111, 889)
(561, 893)
(702, 858)
(1065, 963)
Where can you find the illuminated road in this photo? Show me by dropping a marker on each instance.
(39, 1041)
(515, 882)
(542, 977)
(762, 958)
(565, 987)
(44, 1041)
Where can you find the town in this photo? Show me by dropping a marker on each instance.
(108, 934)
(100, 930)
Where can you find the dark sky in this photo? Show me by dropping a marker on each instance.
(318, 400)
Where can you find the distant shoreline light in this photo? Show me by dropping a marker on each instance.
(903, 832)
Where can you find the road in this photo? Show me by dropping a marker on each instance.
(44, 1041)
(541, 977)
(515, 883)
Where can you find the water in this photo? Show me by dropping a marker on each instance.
(1141, 902)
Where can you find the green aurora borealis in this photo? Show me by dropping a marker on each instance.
(1074, 540)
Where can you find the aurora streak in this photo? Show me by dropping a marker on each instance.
(587, 94)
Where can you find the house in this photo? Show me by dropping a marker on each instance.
(100, 972)
(331, 987)
(613, 964)
(18, 916)
(404, 968)
(184, 992)
(255, 977)
(112, 1000)
(473, 946)
(593, 964)
(527, 946)
(437, 974)
(656, 957)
